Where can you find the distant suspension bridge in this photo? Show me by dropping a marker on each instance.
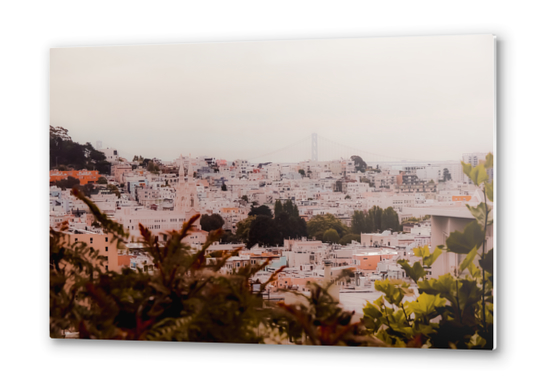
(318, 148)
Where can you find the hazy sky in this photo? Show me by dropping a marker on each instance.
(408, 97)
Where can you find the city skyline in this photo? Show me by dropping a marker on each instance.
(242, 100)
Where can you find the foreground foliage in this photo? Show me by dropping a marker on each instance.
(454, 310)
(185, 299)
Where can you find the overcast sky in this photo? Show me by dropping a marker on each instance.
(409, 97)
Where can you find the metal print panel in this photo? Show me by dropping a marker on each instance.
(308, 192)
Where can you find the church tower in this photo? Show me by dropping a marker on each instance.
(186, 199)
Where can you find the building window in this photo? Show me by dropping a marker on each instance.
(106, 239)
(91, 240)
(106, 249)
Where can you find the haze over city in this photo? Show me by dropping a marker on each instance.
(428, 98)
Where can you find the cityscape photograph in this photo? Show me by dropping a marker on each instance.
(331, 192)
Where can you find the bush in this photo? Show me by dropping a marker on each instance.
(454, 310)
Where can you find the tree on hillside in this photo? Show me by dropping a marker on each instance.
(101, 180)
(113, 189)
(278, 208)
(348, 238)
(152, 167)
(375, 218)
(289, 224)
(261, 210)
(211, 222)
(224, 188)
(63, 151)
(331, 236)
(359, 163)
(321, 223)
(243, 229)
(359, 224)
(59, 133)
(390, 219)
(88, 189)
(446, 175)
(264, 232)
(302, 172)
(67, 183)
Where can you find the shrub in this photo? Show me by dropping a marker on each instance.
(454, 310)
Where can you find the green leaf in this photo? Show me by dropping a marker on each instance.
(469, 295)
(473, 270)
(415, 272)
(478, 174)
(426, 305)
(489, 161)
(476, 341)
(468, 260)
(372, 311)
(488, 188)
(467, 168)
(480, 213)
(443, 285)
(422, 251)
(486, 263)
(429, 260)
(463, 242)
(394, 292)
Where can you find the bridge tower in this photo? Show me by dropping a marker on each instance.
(314, 147)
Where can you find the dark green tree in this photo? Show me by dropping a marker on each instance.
(152, 167)
(359, 163)
(278, 208)
(264, 232)
(211, 222)
(331, 236)
(229, 238)
(243, 229)
(262, 210)
(446, 175)
(348, 238)
(390, 219)
(63, 151)
(67, 183)
(321, 223)
(375, 218)
(359, 222)
(113, 189)
(289, 224)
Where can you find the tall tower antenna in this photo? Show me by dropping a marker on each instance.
(314, 147)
